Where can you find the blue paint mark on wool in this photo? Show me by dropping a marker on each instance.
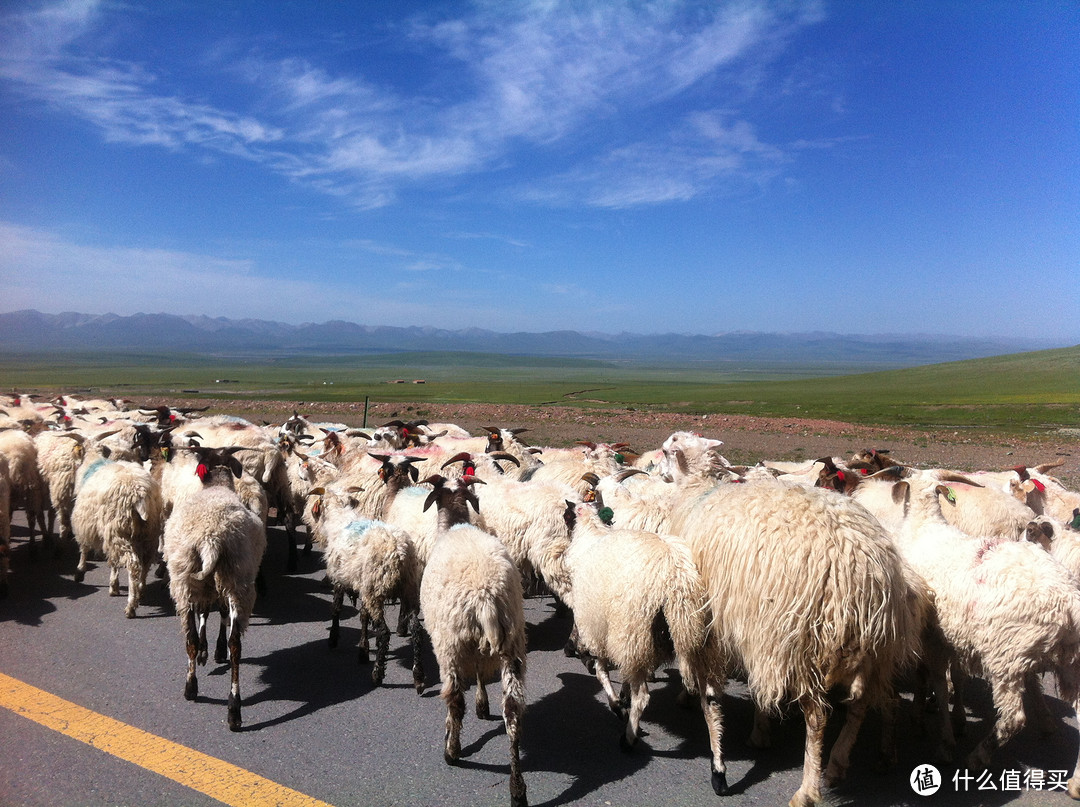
(95, 466)
(355, 530)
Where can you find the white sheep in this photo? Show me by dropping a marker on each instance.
(213, 548)
(473, 609)
(638, 602)
(806, 592)
(374, 562)
(118, 511)
(28, 490)
(5, 525)
(1008, 609)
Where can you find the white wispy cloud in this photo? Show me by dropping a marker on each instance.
(524, 75)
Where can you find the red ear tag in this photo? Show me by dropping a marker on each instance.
(840, 476)
(316, 507)
(470, 471)
(1039, 486)
(202, 471)
(864, 471)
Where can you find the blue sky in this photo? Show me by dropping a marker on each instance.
(859, 167)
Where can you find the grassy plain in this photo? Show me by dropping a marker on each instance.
(1015, 392)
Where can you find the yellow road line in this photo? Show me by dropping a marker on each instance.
(213, 777)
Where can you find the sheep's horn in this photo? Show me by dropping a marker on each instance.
(502, 455)
(591, 478)
(464, 456)
(622, 476)
(1042, 469)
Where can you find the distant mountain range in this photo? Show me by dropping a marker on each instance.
(32, 331)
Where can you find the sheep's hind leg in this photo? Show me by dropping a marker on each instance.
(136, 582)
(483, 708)
(809, 792)
(1069, 690)
(614, 701)
(221, 649)
(191, 639)
(382, 647)
(711, 696)
(80, 570)
(840, 757)
(234, 664)
(1009, 703)
(114, 581)
(513, 708)
(335, 616)
(203, 649)
(417, 663)
(454, 698)
(639, 699)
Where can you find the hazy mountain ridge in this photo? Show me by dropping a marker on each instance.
(31, 331)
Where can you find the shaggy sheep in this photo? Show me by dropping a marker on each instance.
(28, 490)
(806, 592)
(1008, 609)
(213, 548)
(474, 611)
(118, 511)
(374, 562)
(637, 601)
(5, 525)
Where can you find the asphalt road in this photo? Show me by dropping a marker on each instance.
(314, 723)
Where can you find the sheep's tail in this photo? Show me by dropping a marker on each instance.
(491, 627)
(209, 555)
(685, 607)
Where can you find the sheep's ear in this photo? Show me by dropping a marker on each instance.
(900, 492)
(947, 492)
(570, 515)
(140, 509)
(430, 499)
(470, 497)
(234, 465)
(106, 451)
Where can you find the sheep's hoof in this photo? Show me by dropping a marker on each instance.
(1074, 788)
(719, 782)
(569, 650)
(234, 712)
(191, 689)
(449, 759)
(483, 712)
(129, 612)
(377, 676)
(418, 684)
(80, 575)
(518, 801)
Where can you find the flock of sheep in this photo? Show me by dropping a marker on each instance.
(856, 576)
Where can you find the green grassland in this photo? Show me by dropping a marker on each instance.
(1038, 390)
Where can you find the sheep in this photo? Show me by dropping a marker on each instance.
(118, 510)
(806, 592)
(1007, 608)
(981, 511)
(27, 487)
(59, 455)
(528, 518)
(473, 609)
(5, 525)
(637, 600)
(374, 562)
(213, 548)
